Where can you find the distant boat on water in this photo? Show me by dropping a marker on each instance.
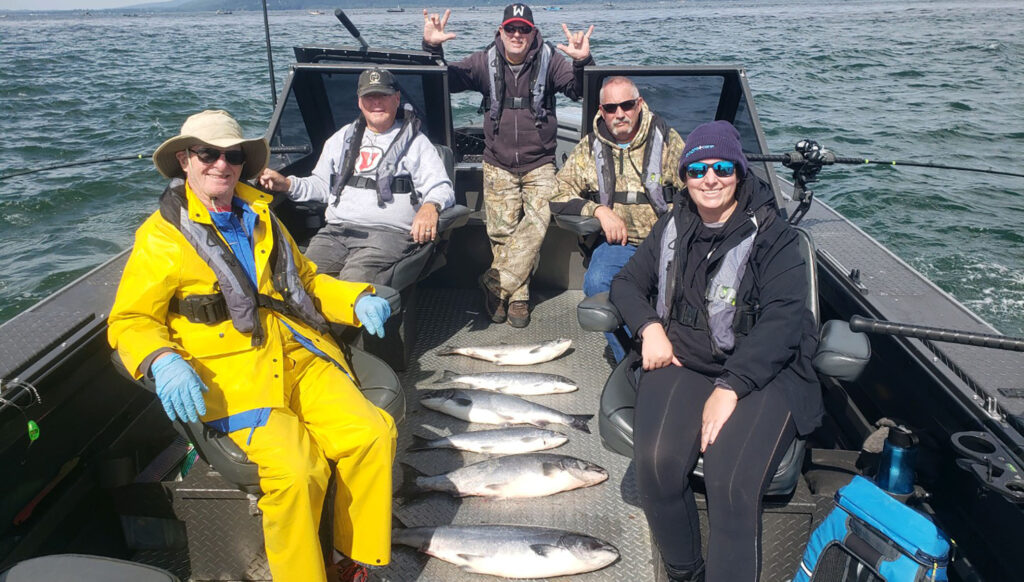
(397, 9)
(315, 12)
(223, 12)
(552, 8)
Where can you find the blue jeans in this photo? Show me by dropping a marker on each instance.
(606, 261)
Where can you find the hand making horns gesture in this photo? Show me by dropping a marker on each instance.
(433, 28)
(578, 43)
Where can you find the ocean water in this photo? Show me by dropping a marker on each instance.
(936, 82)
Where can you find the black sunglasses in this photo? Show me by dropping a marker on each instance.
(523, 29)
(625, 105)
(211, 155)
(722, 169)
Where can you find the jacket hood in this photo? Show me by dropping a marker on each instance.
(639, 140)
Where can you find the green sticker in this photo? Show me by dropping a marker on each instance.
(33, 431)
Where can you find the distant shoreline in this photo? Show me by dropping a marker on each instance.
(198, 6)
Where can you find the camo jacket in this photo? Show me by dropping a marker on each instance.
(578, 177)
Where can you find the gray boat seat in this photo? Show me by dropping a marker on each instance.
(841, 354)
(430, 257)
(580, 225)
(82, 568)
(377, 381)
(396, 346)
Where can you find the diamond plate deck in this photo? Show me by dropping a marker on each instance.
(452, 317)
(608, 511)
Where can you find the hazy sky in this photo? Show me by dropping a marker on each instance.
(64, 4)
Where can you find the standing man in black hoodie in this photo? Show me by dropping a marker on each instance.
(519, 133)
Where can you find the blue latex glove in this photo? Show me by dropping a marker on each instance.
(179, 388)
(373, 311)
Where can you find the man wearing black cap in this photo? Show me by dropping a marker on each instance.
(518, 75)
(384, 185)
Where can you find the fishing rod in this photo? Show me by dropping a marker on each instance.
(270, 56)
(985, 340)
(809, 157)
(274, 150)
(830, 158)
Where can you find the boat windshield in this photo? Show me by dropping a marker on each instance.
(687, 97)
(319, 99)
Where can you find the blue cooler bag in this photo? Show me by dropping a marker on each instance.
(871, 537)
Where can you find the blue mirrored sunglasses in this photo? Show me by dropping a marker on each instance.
(722, 169)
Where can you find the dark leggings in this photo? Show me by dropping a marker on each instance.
(737, 469)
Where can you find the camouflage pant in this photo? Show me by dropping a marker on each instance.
(517, 215)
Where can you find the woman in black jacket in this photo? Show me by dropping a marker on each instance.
(717, 295)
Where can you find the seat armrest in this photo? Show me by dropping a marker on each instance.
(581, 225)
(393, 296)
(596, 313)
(842, 353)
(453, 217)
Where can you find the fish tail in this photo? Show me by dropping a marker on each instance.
(579, 422)
(409, 489)
(447, 377)
(448, 350)
(419, 444)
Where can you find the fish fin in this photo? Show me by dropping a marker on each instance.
(448, 350)
(462, 400)
(469, 558)
(447, 377)
(409, 489)
(579, 422)
(544, 549)
(419, 443)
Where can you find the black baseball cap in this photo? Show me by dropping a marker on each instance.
(376, 80)
(517, 13)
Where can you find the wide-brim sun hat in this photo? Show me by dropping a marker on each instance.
(214, 128)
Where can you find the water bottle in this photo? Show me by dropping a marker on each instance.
(896, 467)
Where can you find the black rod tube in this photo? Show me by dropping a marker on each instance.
(340, 15)
(985, 340)
(270, 56)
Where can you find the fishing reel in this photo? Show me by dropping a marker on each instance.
(806, 160)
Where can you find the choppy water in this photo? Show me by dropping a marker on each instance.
(924, 81)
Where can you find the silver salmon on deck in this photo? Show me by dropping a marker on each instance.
(498, 441)
(511, 477)
(512, 355)
(493, 408)
(510, 551)
(518, 383)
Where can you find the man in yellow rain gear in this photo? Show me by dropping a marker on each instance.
(218, 306)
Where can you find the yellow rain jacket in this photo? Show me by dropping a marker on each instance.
(164, 265)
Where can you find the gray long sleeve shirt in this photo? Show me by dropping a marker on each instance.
(358, 206)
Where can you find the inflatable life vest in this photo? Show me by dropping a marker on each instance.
(237, 300)
(720, 315)
(539, 102)
(654, 146)
(385, 182)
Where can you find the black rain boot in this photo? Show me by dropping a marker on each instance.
(687, 575)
